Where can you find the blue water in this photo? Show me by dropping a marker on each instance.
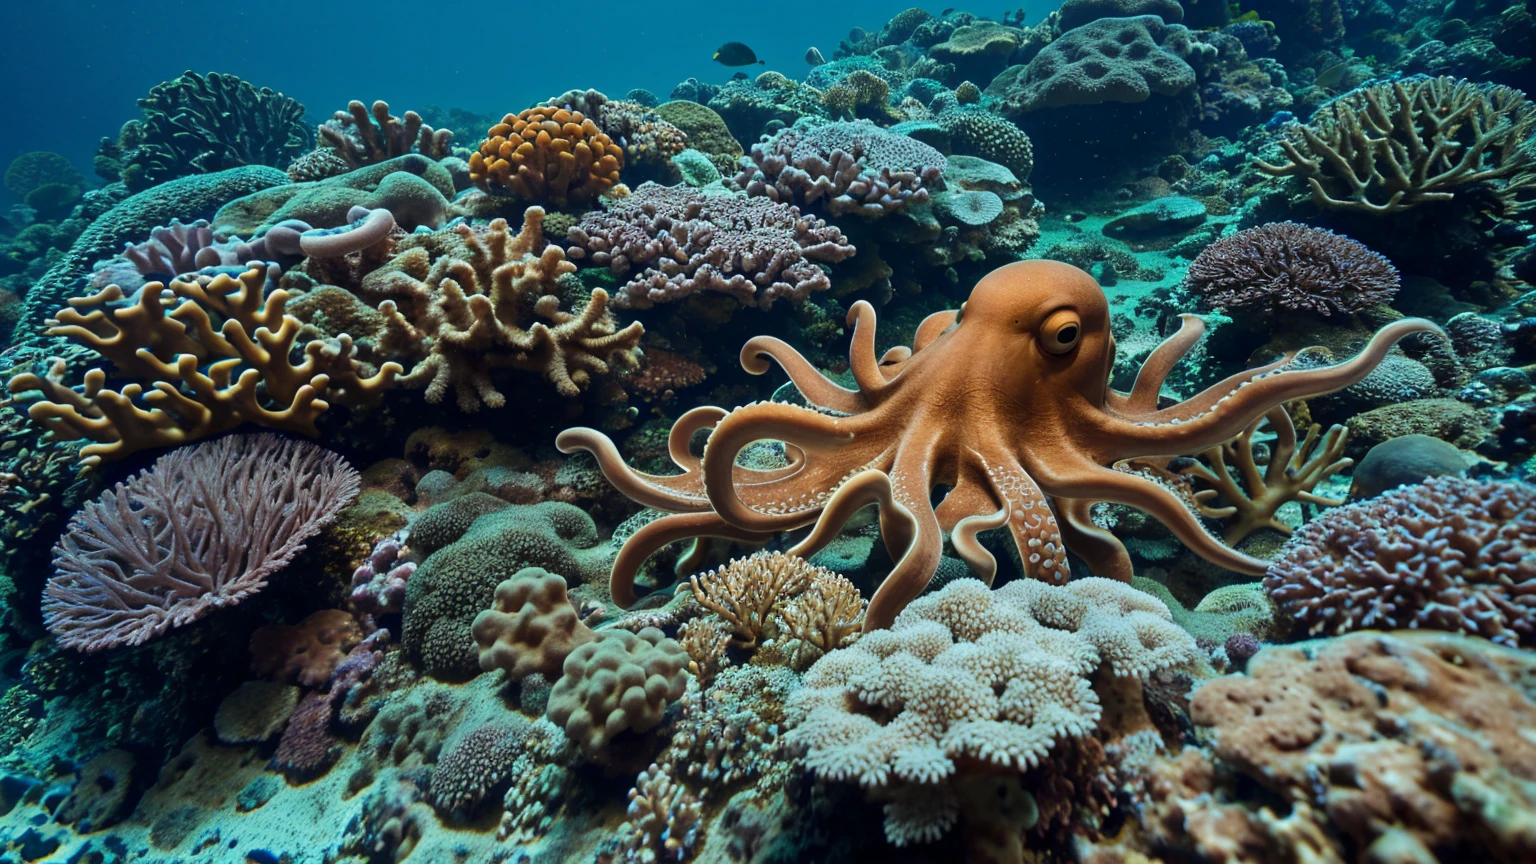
(73, 70)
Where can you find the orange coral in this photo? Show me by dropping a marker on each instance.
(548, 156)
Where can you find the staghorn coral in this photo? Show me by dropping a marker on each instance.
(198, 124)
(204, 379)
(1393, 146)
(1397, 746)
(749, 592)
(1292, 471)
(619, 681)
(1285, 265)
(531, 628)
(848, 168)
(200, 530)
(1446, 554)
(828, 614)
(973, 681)
(464, 318)
(688, 241)
(353, 135)
(664, 819)
(548, 155)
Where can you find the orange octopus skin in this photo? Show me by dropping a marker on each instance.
(1005, 402)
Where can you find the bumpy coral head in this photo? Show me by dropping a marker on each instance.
(1049, 319)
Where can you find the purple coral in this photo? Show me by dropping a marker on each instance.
(200, 530)
(186, 248)
(1446, 554)
(754, 249)
(1291, 266)
(853, 167)
(378, 585)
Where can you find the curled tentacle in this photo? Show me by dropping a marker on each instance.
(911, 481)
(817, 389)
(862, 489)
(815, 434)
(653, 536)
(679, 493)
(703, 417)
(1102, 551)
(970, 550)
(861, 352)
(1154, 370)
(891, 361)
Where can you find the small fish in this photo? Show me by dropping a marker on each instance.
(813, 56)
(1331, 77)
(737, 54)
(946, 11)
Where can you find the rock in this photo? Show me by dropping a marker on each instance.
(1173, 215)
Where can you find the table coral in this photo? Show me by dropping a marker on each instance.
(494, 306)
(201, 530)
(941, 414)
(851, 167)
(1392, 146)
(1446, 554)
(1285, 265)
(969, 681)
(548, 155)
(688, 241)
(204, 379)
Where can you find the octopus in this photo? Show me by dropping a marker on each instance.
(999, 415)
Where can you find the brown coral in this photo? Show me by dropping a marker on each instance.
(548, 155)
(532, 627)
(748, 592)
(204, 378)
(467, 317)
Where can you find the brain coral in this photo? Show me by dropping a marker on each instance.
(1447, 554)
(970, 679)
(200, 530)
(1107, 60)
(458, 581)
(619, 681)
(1291, 266)
(548, 155)
(854, 167)
(754, 249)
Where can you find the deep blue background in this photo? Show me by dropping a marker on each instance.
(72, 71)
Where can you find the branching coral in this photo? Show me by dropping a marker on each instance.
(828, 614)
(1284, 265)
(548, 156)
(1290, 474)
(753, 249)
(970, 681)
(664, 819)
(1393, 146)
(464, 318)
(204, 378)
(200, 530)
(198, 124)
(1447, 554)
(846, 167)
(353, 135)
(748, 592)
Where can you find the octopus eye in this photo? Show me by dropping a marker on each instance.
(1061, 332)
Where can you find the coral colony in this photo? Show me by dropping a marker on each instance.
(537, 486)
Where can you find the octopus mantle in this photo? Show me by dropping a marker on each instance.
(1005, 404)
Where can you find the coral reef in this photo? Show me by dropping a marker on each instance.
(548, 155)
(1105, 60)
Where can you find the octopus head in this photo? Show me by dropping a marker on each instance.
(1049, 319)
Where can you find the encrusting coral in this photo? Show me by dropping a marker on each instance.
(496, 305)
(204, 378)
(201, 530)
(1392, 146)
(689, 241)
(1029, 444)
(970, 681)
(1445, 554)
(548, 155)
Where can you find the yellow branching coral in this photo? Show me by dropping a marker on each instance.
(203, 378)
(548, 155)
(1290, 475)
(1392, 146)
(496, 307)
(749, 592)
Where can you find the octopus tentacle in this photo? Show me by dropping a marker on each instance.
(1102, 551)
(891, 360)
(932, 328)
(653, 536)
(679, 493)
(861, 352)
(1036, 534)
(818, 389)
(1154, 370)
(703, 417)
(970, 550)
(813, 433)
(897, 527)
(1226, 409)
(911, 479)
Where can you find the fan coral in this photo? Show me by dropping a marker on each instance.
(971, 680)
(196, 124)
(352, 135)
(846, 167)
(168, 337)
(548, 155)
(1391, 146)
(1447, 554)
(1291, 266)
(200, 530)
(618, 681)
(753, 249)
